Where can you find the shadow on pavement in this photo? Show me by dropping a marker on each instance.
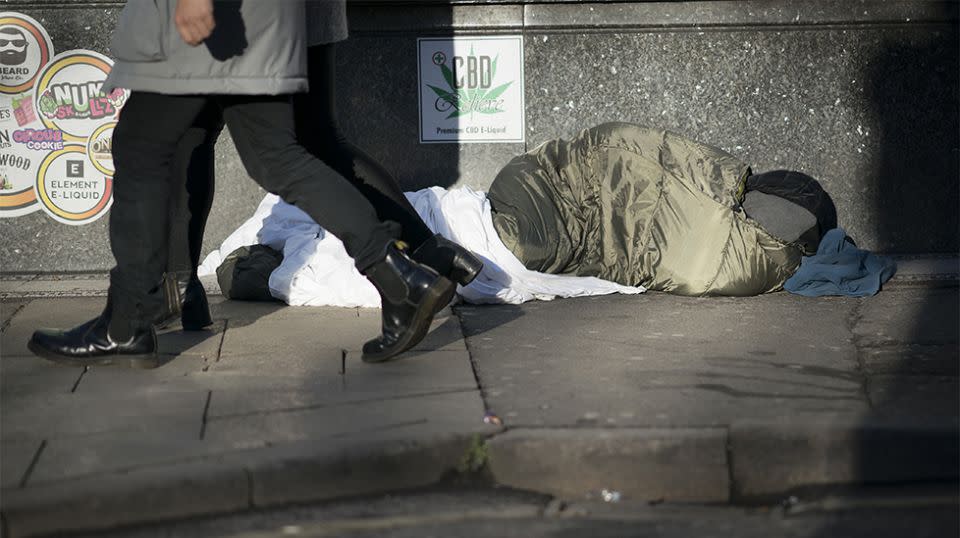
(909, 358)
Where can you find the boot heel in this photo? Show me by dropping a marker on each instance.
(195, 314)
(437, 296)
(466, 267)
(410, 296)
(196, 319)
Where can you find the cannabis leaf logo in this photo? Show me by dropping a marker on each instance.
(48, 105)
(465, 101)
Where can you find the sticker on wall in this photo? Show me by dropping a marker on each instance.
(471, 89)
(99, 148)
(71, 189)
(68, 95)
(25, 47)
(65, 148)
(21, 152)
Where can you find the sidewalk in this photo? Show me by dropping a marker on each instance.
(656, 397)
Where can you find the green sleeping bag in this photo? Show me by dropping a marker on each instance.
(638, 206)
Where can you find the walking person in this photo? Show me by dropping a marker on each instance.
(251, 62)
(318, 129)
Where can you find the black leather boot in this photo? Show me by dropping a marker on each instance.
(174, 286)
(449, 259)
(91, 344)
(195, 310)
(410, 294)
(184, 298)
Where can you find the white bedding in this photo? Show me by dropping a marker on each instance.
(317, 271)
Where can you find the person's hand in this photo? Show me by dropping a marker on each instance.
(194, 20)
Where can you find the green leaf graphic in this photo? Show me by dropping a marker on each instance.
(497, 92)
(47, 105)
(448, 76)
(493, 68)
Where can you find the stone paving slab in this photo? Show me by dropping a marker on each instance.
(771, 458)
(909, 316)
(251, 383)
(915, 396)
(682, 465)
(10, 285)
(9, 308)
(48, 416)
(320, 328)
(100, 454)
(206, 343)
(248, 388)
(296, 331)
(305, 364)
(657, 392)
(15, 459)
(659, 360)
(59, 313)
(912, 360)
(339, 468)
(923, 267)
(184, 373)
(111, 500)
(32, 378)
(281, 474)
(82, 285)
(244, 312)
(460, 411)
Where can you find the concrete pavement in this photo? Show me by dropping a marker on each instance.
(465, 512)
(656, 397)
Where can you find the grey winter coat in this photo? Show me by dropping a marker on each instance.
(257, 48)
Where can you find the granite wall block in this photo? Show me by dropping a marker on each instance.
(863, 95)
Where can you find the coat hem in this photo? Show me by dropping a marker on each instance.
(231, 85)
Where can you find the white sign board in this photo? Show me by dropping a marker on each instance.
(471, 89)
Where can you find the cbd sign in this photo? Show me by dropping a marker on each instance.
(471, 89)
(478, 74)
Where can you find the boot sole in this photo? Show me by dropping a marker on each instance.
(139, 362)
(195, 316)
(195, 325)
(440, 293)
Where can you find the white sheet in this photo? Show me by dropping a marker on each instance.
(317, 271)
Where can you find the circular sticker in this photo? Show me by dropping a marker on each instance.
(25, 48)
(68, 94)
(99, 148)
(20, 158)
(71, 189)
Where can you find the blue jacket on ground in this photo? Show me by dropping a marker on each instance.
(840, 268)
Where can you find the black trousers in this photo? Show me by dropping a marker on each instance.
(263, 130)
(318, 130)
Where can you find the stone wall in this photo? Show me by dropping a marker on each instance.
(861, 94)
